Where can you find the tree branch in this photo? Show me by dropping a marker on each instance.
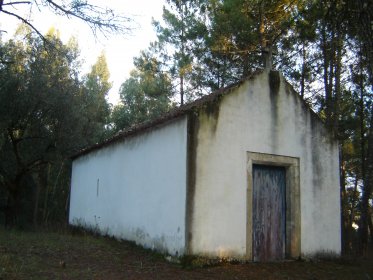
(14, 3)
(97, 18)
(25, 21)
(101, 19)
(35, 163)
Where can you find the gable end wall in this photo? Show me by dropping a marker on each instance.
(261, 117)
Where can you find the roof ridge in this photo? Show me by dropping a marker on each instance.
(166, 117)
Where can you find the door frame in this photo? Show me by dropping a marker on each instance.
(292, 200)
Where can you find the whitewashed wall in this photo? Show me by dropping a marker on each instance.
(135, 189)
(250, 120)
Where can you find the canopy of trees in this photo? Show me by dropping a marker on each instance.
(324, 48)
(47, 113)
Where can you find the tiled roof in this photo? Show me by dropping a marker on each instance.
(165, 118)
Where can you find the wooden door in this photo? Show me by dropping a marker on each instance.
(269, 210)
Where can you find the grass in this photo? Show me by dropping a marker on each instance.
(53, 255)
(80, 255)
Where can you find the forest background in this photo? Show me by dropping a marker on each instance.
(49, 110)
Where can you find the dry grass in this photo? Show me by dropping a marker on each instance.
(67, 255)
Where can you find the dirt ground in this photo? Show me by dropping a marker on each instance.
(50, 255)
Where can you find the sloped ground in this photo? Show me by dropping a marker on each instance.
(51, 255)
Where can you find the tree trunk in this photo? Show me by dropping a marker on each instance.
(351, 230)
(52, 192)
(303, 78)
(370, 226)
(265, 49)
(343, 197)
(39, 185)
(46, 196)
(337, 82)
(365, 31)
(36, 205)
(181, 90)
(326, 64)
(362, 120)
(12, 207)
(367, 190)
(183, 40)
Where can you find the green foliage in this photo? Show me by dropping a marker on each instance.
(144, 96)
(96, 109)
(181, 39)
(43, 120)
(207, 45)
(244, 33)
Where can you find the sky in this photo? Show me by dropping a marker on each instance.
(119, 49)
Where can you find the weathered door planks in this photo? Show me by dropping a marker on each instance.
(269, 210)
